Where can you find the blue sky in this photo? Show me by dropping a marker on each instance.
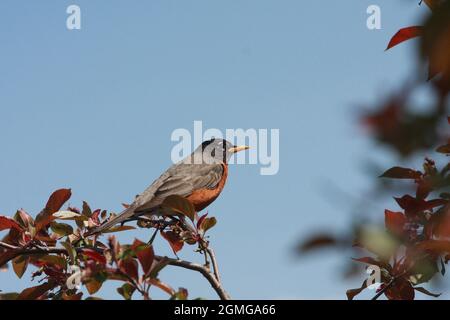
(94, 110)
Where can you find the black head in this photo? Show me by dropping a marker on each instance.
(218, 150)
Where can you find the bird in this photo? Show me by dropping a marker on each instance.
(199, 178)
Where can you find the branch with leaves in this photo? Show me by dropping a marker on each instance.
(413, 246)
(56, 248)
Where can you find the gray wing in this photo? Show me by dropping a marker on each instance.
(181, 179)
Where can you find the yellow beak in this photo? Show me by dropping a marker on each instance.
(237, 149)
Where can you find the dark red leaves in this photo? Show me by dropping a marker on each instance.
(8, 223)
(435, 246)
(54, 203)
(94, 255)
(176, 243)
(401, 173)
(404, 35)
(394, 221)
(129, 267)
(36, 292)
(57, 200)
(412, 205)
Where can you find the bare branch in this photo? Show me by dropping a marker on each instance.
(212, 255)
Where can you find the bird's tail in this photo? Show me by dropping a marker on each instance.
(123, 216)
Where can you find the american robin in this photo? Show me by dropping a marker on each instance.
(200, 178)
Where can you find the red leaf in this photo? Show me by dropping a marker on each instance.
(95, 216)
(76, 296)
(404, 35)
(200, 220)
(54, 203)
(8, 223)
(394, 221)
(57, 200)
(175, 242)
(145, 255)
(129, 267)
(94, 255)
(412, 205)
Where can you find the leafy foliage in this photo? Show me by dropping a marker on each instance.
(56, 242)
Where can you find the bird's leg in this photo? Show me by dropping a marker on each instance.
(150, 242)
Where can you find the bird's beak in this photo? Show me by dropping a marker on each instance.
(237, 149)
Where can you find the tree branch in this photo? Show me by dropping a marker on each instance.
(213, 280)
(212, 255)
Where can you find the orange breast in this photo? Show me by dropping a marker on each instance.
(204, 197)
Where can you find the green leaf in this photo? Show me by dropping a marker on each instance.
(208, 223)
(9, 296)
(20, 265)
(126, 291)
(145, 255)
(61, 229)
(180, 205)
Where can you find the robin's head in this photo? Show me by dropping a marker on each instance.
(218, 150)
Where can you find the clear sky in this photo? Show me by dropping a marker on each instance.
(93, 110)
